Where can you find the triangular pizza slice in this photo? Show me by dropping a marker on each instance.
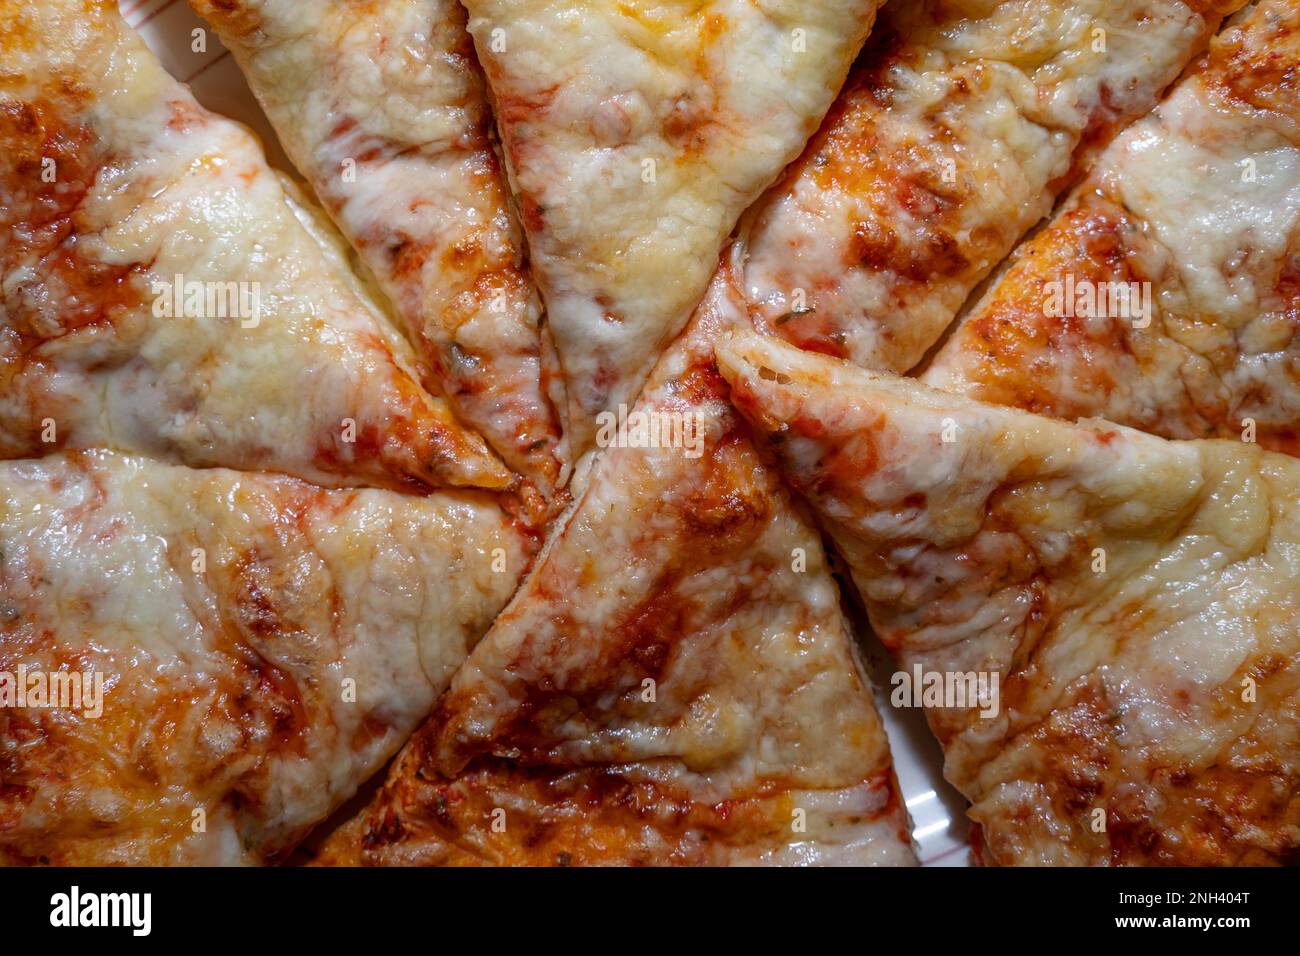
(635, 134)
(1103, 625)
(196, 666)
(675, 682)
(958, 128)
(382, 107)
(1166, 294)
(161, 293)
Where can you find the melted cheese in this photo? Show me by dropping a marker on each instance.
(265, 645)
(1200, 203)
(307, 378)
(1160, 686)
(949, 142)
(384, 111)
(759, 742)
(635, 135)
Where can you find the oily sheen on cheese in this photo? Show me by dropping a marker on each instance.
(956, 131)
(635, 134)
(124, 209)
(674, 684)
(265, 646)
(383, 109)
(1139, 600)
(1197, 210)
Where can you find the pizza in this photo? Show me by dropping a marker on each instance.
(1128, 608)
(953, 136)
(609, 409)
(682, 691)
(164, 294)
(247, 649)
(1166, 294)
(635, 134)
(383, 110)
(243, 649)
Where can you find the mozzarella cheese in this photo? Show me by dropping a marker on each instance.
(1198, 208)
(674, 684)
(951, 139)
(159, 294)
(383, 109)
(1137, 599)
(635, 134)
(264, 646)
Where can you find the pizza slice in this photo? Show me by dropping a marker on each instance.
(674, 683)
(1104, 625)
(955, 133)
(1166, 294)
(161, 293)
(382, 108)
(635, 134)
(196, 666)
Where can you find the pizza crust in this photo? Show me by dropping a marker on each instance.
(635, 134)
(674, 683)
(1166, 295)
(264, 647)
(162, 297)
(952, 137)
(383, 109)
(1135, 598)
